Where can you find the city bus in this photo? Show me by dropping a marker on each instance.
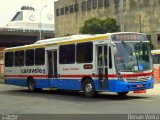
(156, 64)
(114, 62)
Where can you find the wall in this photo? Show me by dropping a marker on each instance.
(138, 16)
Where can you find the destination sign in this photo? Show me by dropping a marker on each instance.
(129, 37)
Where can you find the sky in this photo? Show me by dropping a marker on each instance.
(8, 8)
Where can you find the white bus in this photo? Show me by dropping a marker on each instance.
(113, 62)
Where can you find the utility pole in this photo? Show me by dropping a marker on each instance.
(40, 22)
(122, 15)
(140, 17)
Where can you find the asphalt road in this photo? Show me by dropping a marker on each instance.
(17, 100)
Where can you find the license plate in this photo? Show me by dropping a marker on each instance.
(139, 86)
(139, 91)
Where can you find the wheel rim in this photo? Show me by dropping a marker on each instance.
(31, 85)
(88, 88)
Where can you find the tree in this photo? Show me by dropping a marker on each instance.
(98, 26)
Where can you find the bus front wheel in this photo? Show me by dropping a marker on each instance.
(88, 88)
(122, 93)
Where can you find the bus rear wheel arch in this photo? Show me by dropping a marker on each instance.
(88, 87)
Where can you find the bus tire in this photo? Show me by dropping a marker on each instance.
(88, 88)
(122, 93)
(32, 86)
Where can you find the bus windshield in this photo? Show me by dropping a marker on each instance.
(133, 56)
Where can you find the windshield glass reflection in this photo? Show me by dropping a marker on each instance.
(133, 56)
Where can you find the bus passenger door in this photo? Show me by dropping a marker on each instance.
(52, 67)
(102, 59)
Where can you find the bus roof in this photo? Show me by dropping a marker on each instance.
(155, 51)
(65, 40)
(60, 41)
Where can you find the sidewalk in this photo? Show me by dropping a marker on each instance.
(155, 90)
(1, 81)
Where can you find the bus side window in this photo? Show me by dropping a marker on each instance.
(29, 61)
(67, 54)
(39, 56)
(84, 52)
(19, 58)
(9, 59)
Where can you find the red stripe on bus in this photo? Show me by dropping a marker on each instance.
(61, 76)
(136, 75)
(80, 76)
(36, 76)
(73, 76)
(110, 76)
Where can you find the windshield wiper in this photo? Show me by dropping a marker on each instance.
(128, 48)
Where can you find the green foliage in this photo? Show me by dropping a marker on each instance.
(98, 26)
(68, 34)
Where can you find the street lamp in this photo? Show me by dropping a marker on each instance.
(140, 18)
(40, 24)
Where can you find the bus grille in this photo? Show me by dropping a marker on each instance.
(142, 79)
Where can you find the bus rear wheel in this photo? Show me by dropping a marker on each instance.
(88, 88)
(32, 86)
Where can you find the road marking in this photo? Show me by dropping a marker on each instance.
(145, 100)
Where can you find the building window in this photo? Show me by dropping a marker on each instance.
(132, 4)
(158, 38)
(71, 8)
(89, 5)
(76, 7)
(62, 11)
(148, 37)
(106, 3)
(39, 56)
(9, 59)
(29, 61)
(100, 3)
(18, 17)
(94, 4)
(116, 3)
(67, 54)
(84, 52)
(57, 12)
(66, 10)
(19, 58)
(83, 6)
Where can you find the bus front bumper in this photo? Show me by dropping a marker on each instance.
(121, 86)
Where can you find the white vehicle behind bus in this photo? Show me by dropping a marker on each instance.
(156, 64)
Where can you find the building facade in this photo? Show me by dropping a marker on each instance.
(131, 15)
